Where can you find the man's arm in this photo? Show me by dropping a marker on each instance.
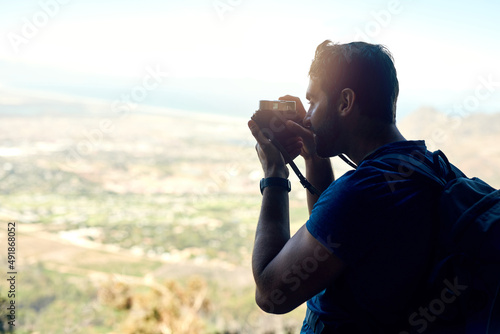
(319, 173)
(290, 276)
(287, 271)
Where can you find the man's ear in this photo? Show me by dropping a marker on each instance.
(347, 99)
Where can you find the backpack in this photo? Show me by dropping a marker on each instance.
(464, 281)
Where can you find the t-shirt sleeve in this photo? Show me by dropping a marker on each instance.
(343, 218)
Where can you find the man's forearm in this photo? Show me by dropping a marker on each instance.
(273, 229)
(319, 173)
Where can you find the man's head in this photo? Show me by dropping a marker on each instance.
(352, 94)
(367, 69)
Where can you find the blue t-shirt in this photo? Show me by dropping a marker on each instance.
(378, 220)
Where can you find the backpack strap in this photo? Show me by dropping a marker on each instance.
(442, 163)
(438, 170)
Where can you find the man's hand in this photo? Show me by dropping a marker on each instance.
(270, 157)
(303, 144)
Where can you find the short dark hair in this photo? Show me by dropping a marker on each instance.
(368, 69)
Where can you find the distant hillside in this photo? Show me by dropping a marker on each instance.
(470, 142)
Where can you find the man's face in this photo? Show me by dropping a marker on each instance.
(323, 120)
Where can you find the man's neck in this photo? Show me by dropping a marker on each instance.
(371, 137)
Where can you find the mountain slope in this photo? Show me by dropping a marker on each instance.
(470, 142)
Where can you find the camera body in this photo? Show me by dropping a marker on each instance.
(271, 118)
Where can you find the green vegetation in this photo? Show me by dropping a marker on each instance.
(151, 231)
(53, 303)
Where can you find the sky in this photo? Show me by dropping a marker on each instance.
(224, 55)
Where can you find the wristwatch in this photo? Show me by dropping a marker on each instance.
(275, 182)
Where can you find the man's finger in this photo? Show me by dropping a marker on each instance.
(267, 152)
(257, 133)
(297, 129)
(300, 107)
(294, 148)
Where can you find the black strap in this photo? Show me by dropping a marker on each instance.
(440, 171)
(288, 159)
(347, 161)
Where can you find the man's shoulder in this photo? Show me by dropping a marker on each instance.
(374, 173)
(381, 162)
(406, 147)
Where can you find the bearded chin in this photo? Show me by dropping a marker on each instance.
(321, 148)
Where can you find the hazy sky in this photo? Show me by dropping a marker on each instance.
(446, 52)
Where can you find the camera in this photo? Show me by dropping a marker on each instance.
(271, 118)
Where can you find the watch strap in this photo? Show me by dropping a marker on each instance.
(275, 182)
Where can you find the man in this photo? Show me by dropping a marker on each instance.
(363, 255)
